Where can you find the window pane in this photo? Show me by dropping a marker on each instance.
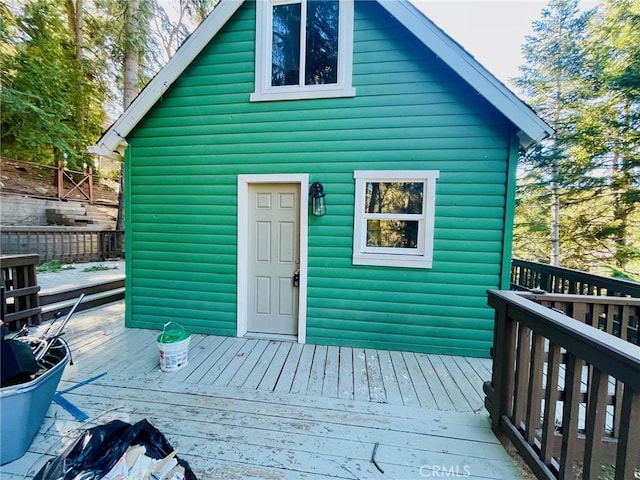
(392, 233)
(322, 42)
(394, 197)
(285, 57)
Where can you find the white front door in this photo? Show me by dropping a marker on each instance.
(273, 258)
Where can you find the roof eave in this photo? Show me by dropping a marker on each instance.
(531, 128)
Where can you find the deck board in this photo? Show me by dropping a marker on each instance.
(406, 387)
(253, 408)
(252, 359)
(331, 372)
(439, 385)
(345, 374)
(360, 377)
(301, 380)
(374, 376)
(289, 369)
(316, 376)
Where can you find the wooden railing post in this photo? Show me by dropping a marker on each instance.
(550, 404)
(89, 173)
(503, 363)
(60, 179)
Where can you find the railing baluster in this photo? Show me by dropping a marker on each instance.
(594, 427)
(628, 456)
(625, 315)
(608, 312)
(550, 403)
(598, 311)
(617, 407)
(523, 358)
(534, 405)
(579, 312)
(572, 382)
(545, 282)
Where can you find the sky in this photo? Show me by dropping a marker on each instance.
(493, 31)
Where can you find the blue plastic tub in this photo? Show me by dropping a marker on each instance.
(23, 406)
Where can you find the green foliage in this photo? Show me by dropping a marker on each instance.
(53, 266)
(54, 89)
(35, 108)
(41, 88)
(98, 268)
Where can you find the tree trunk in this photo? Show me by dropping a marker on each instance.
(130, 67)
(131, 62)
(555, 216)
(620, 216)
(75, 20)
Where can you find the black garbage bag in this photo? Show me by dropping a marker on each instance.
(96, 452)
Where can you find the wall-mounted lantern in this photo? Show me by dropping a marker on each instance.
(316, 192)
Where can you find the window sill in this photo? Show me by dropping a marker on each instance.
(406, 261)
(303, 94)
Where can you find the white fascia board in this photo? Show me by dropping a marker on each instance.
(152, 92)
(532, 128)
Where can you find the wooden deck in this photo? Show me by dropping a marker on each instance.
(250, 408)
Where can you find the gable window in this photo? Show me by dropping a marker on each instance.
(303, 49)
(394, 218)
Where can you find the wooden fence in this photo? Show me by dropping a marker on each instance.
(69, 183)
(566, 394)
(67, 244)
(19, 300)
(533, 275)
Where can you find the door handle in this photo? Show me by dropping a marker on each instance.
(296, 278)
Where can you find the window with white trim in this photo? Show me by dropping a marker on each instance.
(394, 218)
(304, 49)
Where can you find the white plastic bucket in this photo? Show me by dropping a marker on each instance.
(174, 347)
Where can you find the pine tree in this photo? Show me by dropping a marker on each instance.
(36, 98)
(608, 124)
(51, 105)
(551, 79)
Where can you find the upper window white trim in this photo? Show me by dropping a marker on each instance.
(419, 257)
(263, 89)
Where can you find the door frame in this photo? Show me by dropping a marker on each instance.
(244, 181)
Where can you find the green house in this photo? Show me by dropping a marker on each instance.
(332, 172)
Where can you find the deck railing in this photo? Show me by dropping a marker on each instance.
(615, 315)
(566, 394)
(19, 300)
(527, 275)
(67, 244)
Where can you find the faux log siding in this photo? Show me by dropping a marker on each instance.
(409, 113)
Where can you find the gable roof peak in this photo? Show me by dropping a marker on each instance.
(531, 128)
